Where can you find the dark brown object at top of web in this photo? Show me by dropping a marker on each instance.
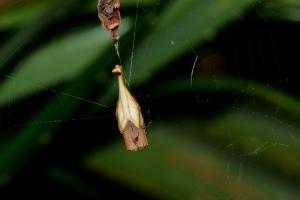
(109, 14)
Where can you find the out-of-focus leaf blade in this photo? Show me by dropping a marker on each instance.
(73, 181)
(20, 146)
(59, 61)
(181, 162)
(291, 2)
(264, 132)
(18, 15)
(283, 9)
(260, 137)
(33, 29)
(226, 84)
(173, 37)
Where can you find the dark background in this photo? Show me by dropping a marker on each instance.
(224, 128)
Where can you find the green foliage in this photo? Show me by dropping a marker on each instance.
(181, 167)
(178, 27)
(12, 18)
(233, 155)
(61, 61)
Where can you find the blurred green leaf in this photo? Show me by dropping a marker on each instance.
(18, 15)
(177, 162)
(72, 181)
(59, 61)
(261, 137)
(20, 146)
(268, 94)
(21, 38)
(292, 14)
(171, 38)
(276, 139)
(283, 9)
(291, 2)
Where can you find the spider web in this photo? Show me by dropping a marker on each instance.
(196, 62)
(57, 92)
